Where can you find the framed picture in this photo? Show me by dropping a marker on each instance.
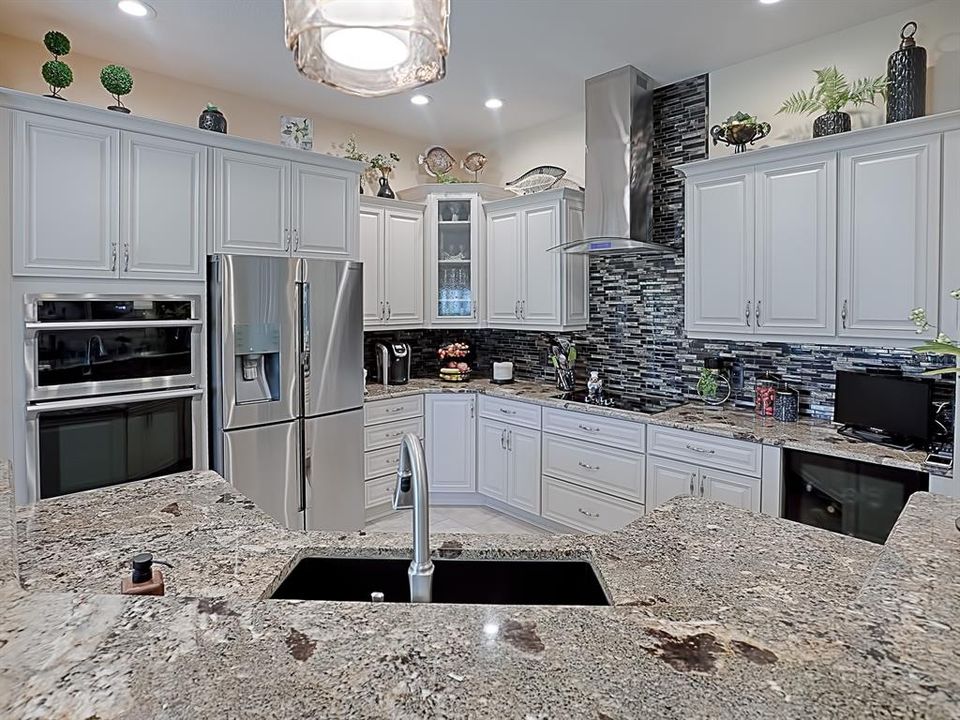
(296, 132)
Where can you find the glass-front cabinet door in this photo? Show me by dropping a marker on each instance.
(454, 257)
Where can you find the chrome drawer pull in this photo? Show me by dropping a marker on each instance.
(588, 467)
(508, 412)
(399, 408)
(588, 428)
(694, 448)
(393, 434)
(588, 514)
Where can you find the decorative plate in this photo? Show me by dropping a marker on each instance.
(537, 180)
(437, 161)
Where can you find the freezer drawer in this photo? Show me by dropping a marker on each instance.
(333, 471)
(263, 463)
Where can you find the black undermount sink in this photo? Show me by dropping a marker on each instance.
(477, 582)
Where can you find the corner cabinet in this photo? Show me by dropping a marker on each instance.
(832, 240)
(391, 250)
(528, 285)
(265, 205)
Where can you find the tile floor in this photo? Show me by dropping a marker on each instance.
(476, 520)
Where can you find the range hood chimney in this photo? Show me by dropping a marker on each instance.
(618, 200)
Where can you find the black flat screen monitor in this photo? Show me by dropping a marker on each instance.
(897, 406)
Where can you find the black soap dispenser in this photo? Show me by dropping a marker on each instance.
(145, 579)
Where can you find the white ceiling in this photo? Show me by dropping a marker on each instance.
(535, 54)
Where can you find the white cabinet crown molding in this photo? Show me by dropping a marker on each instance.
(372, 202)
(539, 198)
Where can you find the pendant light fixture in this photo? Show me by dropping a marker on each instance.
(369, 48)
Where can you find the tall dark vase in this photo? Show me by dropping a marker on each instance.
(831, 123)
(385, 190)
(907, 78)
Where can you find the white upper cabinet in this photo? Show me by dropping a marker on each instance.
(796, 247)
(720, 254)
(251, 204)
(66, 197)
(391, 249)
(324, 211)
(529, 285)
(454, 236)
(503, 268)
(163, 208)
(889, 215)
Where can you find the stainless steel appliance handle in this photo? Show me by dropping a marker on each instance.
(111, 324)
(758, 313)
(746, 313)
(103, 400)
(305, 341)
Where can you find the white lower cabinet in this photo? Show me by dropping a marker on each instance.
(451, 450)
(385, 424)
(585, 509)
(508, 464)
(666, 479)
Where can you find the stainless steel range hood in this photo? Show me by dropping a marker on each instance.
(618, 201)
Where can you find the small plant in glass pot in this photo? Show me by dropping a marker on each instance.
(384, 165)
(830, 94)
(739, 130)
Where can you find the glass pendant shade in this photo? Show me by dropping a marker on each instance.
(369, 47)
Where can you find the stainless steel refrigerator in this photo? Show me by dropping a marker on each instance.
(286, 386)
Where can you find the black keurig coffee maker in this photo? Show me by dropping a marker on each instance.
(393, 363)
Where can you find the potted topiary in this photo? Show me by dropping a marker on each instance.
(831, 93)
(56, 73)
(384, 165)
(117, 81)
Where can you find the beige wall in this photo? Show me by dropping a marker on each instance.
(759, 86)
(558, 142)
(165, 98)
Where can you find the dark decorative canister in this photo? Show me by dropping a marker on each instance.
(786, 405)
(831, 123)
(212, 119)
(907, 78)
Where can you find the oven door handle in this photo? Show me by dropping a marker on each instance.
(111, 324)
(103, 400)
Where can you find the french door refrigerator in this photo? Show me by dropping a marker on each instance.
(286, 386)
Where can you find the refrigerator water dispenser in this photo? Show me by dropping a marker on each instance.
(257, 363)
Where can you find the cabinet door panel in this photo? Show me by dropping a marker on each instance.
(451, 442)
(524, 488)
(720, 254)
(371, 255)
(503, 269)
(667, 479)
(736, 490)
(324, 205)
(796, 248)
(576, 271)
(163, 208)
(540, 298)
(889, 237)
(66, 196)
(493, 460)
(403, 267)
(251, 203)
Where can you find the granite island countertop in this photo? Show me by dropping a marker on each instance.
(717, 612)
(808, 434)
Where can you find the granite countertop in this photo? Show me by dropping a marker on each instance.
(810, 435)
(717, 612)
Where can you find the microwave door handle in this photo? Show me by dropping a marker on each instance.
(104, 400)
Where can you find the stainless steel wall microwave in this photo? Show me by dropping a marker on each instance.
(113, 389)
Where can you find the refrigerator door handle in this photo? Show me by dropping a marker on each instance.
(305, 343)
(307, 461)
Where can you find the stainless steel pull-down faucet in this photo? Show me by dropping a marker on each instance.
(412, 492)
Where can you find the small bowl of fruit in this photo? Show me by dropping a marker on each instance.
(453, 362)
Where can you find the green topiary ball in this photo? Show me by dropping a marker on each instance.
(57, 73)
(116, 80)
(57, 43)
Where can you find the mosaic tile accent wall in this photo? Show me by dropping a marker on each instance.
(636, 337)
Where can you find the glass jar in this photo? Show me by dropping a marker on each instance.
(786, 405)
(764, 394)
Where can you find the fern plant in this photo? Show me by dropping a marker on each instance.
(832, 92)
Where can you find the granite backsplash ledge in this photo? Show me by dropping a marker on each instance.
(636, 337)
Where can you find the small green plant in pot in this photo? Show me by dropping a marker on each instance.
(56, 73)
(117, 81)
(830, 94)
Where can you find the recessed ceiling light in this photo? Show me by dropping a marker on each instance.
(420, 99)
(136, 8)
(769, 2)
(494, 103)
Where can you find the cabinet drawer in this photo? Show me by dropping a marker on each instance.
(380, 462)
(510, 411)
(389, 434)
(584, 509)
(379, 491)
(388, 410)
(602, 468)
(705, 450)
(595, 428)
